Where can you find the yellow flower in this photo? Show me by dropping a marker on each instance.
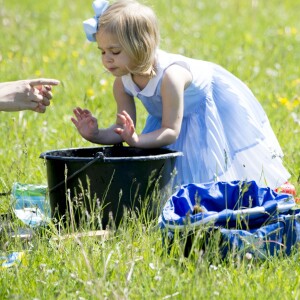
(283, 100)
(287, 31)
(52, 54)
(293, 30)
(289, 104)
(90, 92)
(296, 102)
(75, 54)
(248, 38)
(290, 30)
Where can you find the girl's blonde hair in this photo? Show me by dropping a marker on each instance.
(136, 28)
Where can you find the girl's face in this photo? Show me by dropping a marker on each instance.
(114, 58)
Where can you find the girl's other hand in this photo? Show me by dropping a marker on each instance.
(86, 123)
(126, 129)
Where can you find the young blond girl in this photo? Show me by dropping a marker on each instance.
(194, 106)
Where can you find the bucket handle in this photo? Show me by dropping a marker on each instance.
(98, 156)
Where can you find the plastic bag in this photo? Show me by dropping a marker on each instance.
(30, 203)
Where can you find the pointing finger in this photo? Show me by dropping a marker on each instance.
(43, 81)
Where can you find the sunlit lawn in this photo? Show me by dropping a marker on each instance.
(259, 41)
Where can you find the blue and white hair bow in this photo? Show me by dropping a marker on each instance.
(90, 26)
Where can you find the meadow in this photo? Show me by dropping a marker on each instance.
(257, 40)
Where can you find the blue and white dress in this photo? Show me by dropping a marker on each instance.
(225, 133)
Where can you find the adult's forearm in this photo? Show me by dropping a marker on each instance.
(6, 96)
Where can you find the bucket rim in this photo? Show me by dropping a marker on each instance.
(48, 155)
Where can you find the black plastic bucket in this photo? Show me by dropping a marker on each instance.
(111, 178)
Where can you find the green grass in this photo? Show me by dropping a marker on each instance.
(257, 40)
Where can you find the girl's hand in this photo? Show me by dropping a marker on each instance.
(127, 129)
(86, 123)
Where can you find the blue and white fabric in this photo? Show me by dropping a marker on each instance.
(225, 133)
(249, 218)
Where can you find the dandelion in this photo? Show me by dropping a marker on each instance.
(290, 30)
(90, 92)
(296, 102)
(289, 104)
(283, 100)
(75, 54)
(248, 38)
(38, 73)
(52, 54)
